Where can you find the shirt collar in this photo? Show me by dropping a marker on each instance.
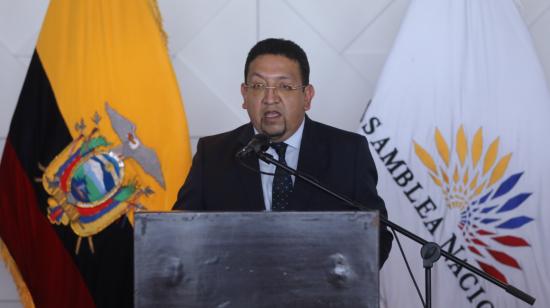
(295, 140)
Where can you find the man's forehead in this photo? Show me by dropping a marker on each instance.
(276, 67)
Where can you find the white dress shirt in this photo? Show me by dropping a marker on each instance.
(291, 158)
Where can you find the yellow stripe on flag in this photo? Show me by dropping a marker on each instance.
(104, 51)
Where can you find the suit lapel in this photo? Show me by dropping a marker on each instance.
(313, 161)
(251, 182)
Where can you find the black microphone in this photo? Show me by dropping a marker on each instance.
(258, 143)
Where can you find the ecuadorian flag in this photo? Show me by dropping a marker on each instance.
(99, 131)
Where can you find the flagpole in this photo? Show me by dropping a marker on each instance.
(430, 251)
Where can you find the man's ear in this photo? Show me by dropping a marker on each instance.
(243, 93)
(309, 93)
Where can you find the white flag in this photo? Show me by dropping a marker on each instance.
(459, 129)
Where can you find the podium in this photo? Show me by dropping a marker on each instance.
(256, 259)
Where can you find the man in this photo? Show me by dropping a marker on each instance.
(276, 95)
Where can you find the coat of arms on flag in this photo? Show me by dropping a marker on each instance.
(87, 182)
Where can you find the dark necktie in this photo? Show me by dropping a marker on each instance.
(282, 182)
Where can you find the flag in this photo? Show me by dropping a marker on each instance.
(457, 129)
(99, 131)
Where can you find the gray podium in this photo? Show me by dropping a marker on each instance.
(256, 259)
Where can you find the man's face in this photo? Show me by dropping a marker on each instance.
(278, 113)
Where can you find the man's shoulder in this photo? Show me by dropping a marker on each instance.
(232, 136)
(330, 132)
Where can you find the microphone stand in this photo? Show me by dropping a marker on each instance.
(430, 252)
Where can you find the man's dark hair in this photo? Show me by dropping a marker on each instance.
(280, 47)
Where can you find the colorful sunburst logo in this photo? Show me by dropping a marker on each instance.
(473, 181)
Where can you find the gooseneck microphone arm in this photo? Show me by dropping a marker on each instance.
(430, 251)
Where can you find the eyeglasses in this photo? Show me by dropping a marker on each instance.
(259, 89)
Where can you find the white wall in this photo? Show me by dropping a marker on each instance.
(346, 40)
(346, 44)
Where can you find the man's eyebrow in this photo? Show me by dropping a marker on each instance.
(281, 77)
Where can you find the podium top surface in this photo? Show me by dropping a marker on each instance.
(256, 259)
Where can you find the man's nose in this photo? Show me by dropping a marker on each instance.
(271, 95)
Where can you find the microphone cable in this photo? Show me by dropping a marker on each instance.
(408, 267)
(253, 169)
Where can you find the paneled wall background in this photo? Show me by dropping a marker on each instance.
(347, 42)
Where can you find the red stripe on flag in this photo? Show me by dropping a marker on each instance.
(88, 211)
(510, 240)
(475, 250)
(484, 232)
(491, 270)
(504, 258)
(478, 242)
(44, 263)
(67, 173)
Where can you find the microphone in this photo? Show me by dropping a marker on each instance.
(258, 143)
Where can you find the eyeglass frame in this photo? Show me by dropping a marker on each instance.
(276, 89)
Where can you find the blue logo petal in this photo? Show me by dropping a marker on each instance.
(515, 222)
(489, 220)
(488, 209)
(507, 185)
(484, 198)
(513, 202)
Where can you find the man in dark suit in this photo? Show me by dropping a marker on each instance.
(276, 96)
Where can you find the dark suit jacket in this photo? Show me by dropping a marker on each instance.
(338, 159)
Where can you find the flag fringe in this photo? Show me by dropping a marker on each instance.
(24, 293)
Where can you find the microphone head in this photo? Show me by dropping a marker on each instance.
(258, 143)
(261, 143)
